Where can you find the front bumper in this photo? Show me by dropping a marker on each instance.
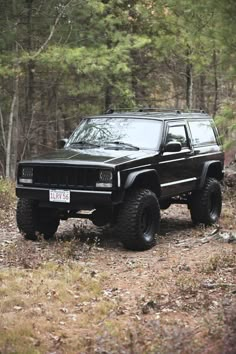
(78, 198)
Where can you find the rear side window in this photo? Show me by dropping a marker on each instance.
(202, 132)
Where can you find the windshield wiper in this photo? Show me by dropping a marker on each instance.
(121, 143)
(83, 142)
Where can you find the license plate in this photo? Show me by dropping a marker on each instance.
(59, 196)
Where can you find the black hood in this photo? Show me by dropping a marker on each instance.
(98, 156)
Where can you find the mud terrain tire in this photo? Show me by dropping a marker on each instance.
(33, 221)
(206, 204)
(139, 220)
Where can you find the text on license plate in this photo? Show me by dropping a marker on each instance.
(59, 196)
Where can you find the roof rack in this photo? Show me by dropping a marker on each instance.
(142, 109)
(196, 111)
(154, 110)
(159, 109)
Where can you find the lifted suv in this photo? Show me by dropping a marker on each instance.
(124, 167)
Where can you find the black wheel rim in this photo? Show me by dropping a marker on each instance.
(146, 224)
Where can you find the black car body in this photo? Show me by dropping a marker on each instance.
(114, 162)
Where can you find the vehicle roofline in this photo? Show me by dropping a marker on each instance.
(153, 116)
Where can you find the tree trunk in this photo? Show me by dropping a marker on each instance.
(4, 145)
(202, 92)
(215, 102)
(189, 86)
(30, 76)
(189, 80)
(108, 97)
(15, 133)
(9, 160)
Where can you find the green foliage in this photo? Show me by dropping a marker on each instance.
(226, 122)
(79, 57)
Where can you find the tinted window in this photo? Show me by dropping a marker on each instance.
(177, 133)
(202, 132)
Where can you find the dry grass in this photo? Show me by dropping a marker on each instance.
(223, 259)
(66, 307)
(41, 306)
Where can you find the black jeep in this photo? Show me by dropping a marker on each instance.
(123, 168)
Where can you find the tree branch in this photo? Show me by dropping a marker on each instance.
(44, 45)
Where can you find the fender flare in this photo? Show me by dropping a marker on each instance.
(205, 171)
(133, 176)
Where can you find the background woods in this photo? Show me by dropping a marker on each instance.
(60, 60)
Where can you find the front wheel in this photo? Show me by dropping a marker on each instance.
(205, 205)
(32, 220)
(138, 220)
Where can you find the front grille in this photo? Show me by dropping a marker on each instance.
(65, 177)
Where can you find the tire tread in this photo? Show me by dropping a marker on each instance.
(127, 227)
(199, 204)
(29, 222)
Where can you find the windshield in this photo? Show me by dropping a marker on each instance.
(118, 133)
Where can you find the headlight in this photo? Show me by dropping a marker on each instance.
(105, 179)
(26, 175)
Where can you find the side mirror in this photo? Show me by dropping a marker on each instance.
(173, 146)
(61, 143)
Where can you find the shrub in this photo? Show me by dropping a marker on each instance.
(7, 193)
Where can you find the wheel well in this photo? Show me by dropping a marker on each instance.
(215, 171)
(147, 180)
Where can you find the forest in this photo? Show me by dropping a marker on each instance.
(61, 60)
(82, 292)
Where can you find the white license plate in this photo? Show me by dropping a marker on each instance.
(59, 196)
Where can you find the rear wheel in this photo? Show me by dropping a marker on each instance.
(206, 204)
(138, 220)
(32, 220)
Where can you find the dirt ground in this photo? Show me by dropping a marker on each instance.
(82, 292)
